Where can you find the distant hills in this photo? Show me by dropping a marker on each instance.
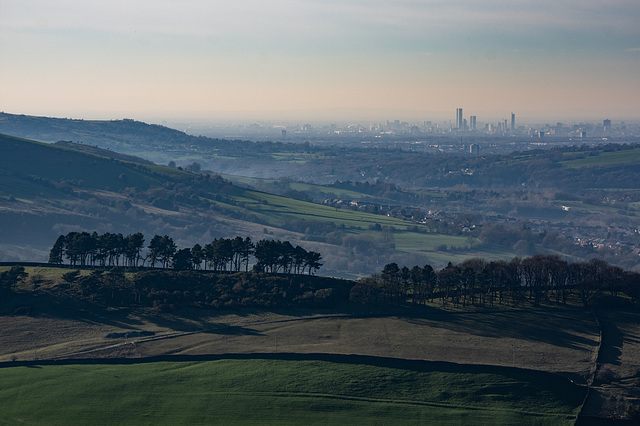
(572, 168)
(126, 134)
(102, 152)
(48, 190)
(149, 141)
(380, 204)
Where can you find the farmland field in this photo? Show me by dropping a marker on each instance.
(606, 159)
(558, 340)
(284, 390)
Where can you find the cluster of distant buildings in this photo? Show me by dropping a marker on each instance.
(509, 128)
(402, 131)
(472, 125)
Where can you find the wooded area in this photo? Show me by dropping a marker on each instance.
(477, 282)
(83, 249)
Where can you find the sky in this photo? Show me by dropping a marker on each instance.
(332, 59)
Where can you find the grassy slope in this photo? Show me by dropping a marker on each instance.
(301, 186)
(606, 159)
(273, 391)
(553, 339)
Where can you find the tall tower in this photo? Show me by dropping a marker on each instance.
(472, 122)
(513, 122)
(459, 118)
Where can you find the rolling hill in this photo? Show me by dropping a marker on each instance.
(48, 190)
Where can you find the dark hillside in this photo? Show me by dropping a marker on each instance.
(121, 133)
(124, 136)
(23, 158)
(102, 152)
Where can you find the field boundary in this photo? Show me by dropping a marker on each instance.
(391, 362)
(597, 354)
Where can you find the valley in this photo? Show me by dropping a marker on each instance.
(534, 355)
(353, 204)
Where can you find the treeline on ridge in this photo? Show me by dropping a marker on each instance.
(109, 250)
(531, 281)
(477, 282)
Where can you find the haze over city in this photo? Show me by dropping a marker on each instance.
(304, 60)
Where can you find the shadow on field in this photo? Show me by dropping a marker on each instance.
(611, 348)
(556, 327)
(389, 362)
(47, 305)
(233, 330)
(612, 340)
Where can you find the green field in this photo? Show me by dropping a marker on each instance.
(606, 159)
(293, 390)
(279, 210)
(301, 186)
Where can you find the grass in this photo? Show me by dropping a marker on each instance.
(275, 206)
(339, 390)
(606, 159)
(298, 157)
(554, 339)
(591, 208)
(275, 209)
(337, 192)
(412, 242)
(348, 194)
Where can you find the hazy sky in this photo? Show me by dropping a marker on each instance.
(305, 59)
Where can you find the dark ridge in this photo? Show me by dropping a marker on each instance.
(103, 152)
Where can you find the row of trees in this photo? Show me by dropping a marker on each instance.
(224, 254)
(106, 250)
(479, 282)
(166, 290)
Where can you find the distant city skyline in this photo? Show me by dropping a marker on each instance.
(304, 60)
(416, 131)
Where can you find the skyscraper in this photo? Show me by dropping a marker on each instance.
(459, 118)
(472, 122)
(513, 122)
